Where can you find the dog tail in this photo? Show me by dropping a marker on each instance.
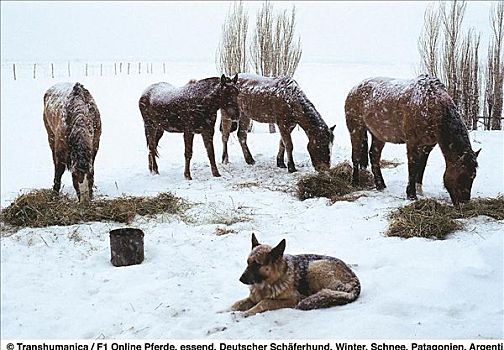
(329, 297)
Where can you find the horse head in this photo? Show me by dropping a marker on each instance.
(320, 149)
(459, 176)
(229, 96)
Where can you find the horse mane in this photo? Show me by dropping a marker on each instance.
(455, 137)
(306, 105)
(79, 121)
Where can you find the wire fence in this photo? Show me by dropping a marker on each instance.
(80, 69)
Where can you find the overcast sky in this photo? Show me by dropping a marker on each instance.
(190, 31)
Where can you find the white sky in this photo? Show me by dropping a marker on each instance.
(378, 32)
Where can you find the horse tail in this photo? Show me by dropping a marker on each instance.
(80, 128)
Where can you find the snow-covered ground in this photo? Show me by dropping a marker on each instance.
(57, 282)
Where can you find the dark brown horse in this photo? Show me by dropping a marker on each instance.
(73, 125)
(417, 112)
(191, 109)
(281, 101)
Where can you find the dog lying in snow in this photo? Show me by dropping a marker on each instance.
(305, 281)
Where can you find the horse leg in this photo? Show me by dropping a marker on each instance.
(281, 155)
(242, 137)
(208, 141)
(226, 131)
(375, 155)
(59, 169)
(422, 162)
(281, 150)
(153, 134)
(358, 138)
(188, 144)
(287, 141)
(413, 166)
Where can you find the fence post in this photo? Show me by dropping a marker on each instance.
(128, 67)
(86, 69)
(115, 68)
(68, 66)
(120, 67)
(164, 68)
(151, 70)
(139, 67)
(52, 70)
(101, 69)
(34, 70)
(14, 70)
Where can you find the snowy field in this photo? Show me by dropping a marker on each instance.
(57, 282)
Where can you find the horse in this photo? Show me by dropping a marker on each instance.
(419, 113)
(279, 100)
(73, 125)
(191, 109)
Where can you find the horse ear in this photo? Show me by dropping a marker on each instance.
(477, 153)
(255, 242)
(278, 251)
(333, 127)
(235, 79)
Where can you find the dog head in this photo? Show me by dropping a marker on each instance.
(264, 263)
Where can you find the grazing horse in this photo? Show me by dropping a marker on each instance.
(73, 125)
(279, 100)
(417, 112)
(191, 109)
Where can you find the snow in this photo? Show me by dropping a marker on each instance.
(58, 282)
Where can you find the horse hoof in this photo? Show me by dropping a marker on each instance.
(250, 161)
(412, 197)
(292, 170)
(187, 177)
(281, 165)
(381, 187)
(216, 175)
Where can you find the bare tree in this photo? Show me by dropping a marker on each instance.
(451, 19)
(287, 52)
(262, 43)
(495, 70)
(231, 56)
(275, 52)
(428, 42)
(469, 86)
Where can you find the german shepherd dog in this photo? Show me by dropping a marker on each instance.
(305, 282)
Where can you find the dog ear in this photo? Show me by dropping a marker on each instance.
(223, 80)
(255, 242)
(278, 251)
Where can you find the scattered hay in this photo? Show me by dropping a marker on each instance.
(333, 184)
(41, 208)
(430, 219)
(492, 207)
(423, 218)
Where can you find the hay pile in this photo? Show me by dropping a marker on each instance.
(41, 208)
(430, 219)
(336, 184)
